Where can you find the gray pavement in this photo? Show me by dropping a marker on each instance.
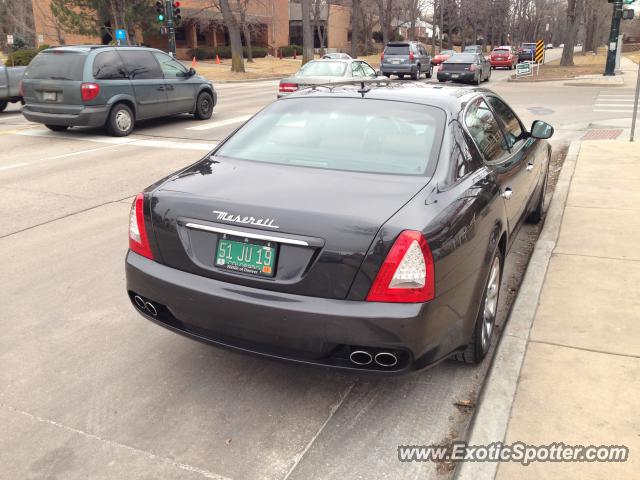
(88, 389)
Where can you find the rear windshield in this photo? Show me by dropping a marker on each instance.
(396, 50)
(447, 52)
(501, 50)
(528, 46)
(322, 69)
(372, 136)
(462, 58)
(56, 66)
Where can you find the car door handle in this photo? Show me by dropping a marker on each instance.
(529, 166)
(161, 89)
(507, 194)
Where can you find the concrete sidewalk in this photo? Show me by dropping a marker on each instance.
(580, 379)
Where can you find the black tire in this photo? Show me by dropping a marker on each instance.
(401, 76)
(3, 105)
(57, 128)
(416, 75)
(482, 334)
(538, 214)
(441, 80)
(121, 120)
(388, 75)
(478, 80)
(204, 106)
(430, 71)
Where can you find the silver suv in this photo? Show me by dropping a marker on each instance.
(406, 58)
(111, 87)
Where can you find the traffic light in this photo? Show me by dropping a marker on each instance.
(160, 11)
(176, 12)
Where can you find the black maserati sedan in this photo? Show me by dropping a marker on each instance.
(361, 227)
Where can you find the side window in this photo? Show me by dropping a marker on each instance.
(485, 130)
(356, 69)
(109, 66)
(512, 126)
(463, 159)
(141, 65)
(170, 68)
(368, 70)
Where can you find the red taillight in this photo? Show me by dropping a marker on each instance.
(138, 240)
(472, 68)
(411, 56)
(89, 91)
(21, 89)
(382, 56)
(288, 87)
(407, 274)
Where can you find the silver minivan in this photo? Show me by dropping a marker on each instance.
(111, 87)
(406, 58)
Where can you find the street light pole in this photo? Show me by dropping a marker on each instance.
(635, 108)
(613, 38)
(170, 27)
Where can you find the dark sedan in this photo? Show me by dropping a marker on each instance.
(359, 227)
(465, 67)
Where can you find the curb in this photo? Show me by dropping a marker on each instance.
(491, 418)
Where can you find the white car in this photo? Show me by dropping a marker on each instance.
(549, 46)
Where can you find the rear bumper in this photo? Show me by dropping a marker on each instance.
(396, 69)
(457, 76)
(307, 330)
(87, 117)
(501, 63)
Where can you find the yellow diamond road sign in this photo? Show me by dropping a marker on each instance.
(538, 55)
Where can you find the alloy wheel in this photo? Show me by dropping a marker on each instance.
(490, 304)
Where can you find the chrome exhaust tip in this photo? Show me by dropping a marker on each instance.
(140, 303)
(386, 359)
(149, 307)
(360, 358)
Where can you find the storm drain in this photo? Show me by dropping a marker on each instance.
(602, 134)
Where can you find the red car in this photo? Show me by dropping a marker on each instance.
(442, 56)
(503, 57)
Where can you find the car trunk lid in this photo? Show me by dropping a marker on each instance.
(321, 222)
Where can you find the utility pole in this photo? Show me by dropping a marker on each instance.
(610, 69)
(170, 27)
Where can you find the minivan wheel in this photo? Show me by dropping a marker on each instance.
(57, 128)
(416, 76)
(486, 319)
(120, 122)
(204, 106)
(430, 71)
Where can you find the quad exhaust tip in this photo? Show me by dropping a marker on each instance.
(386, 359)
(145, 306)
(361, 358)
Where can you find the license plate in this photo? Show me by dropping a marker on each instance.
(455, 75)
(49, 96)
(395, 62)
(246, 256)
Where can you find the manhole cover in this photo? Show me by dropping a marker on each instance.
(602, 134)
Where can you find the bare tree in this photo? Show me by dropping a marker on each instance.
(237, 58)
(574, 13)
(307, 32)
(356, 11)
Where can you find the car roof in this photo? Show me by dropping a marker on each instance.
(447, 97)
(89, 48)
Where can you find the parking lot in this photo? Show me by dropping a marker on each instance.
(90, 386)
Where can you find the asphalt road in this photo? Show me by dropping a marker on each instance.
(89, 389)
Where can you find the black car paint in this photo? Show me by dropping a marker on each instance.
(314, 310)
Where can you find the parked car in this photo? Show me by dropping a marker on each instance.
(442, 56)
(336, 56)
(320, 72)
(354, 228)
(465, 67)
(473, 49)
(526, 51)
(503, 57)
(111, 87)
(548, 46)
(405, 58)
(10, 78)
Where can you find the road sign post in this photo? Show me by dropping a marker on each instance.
(170, 27)
(121, 35)
(635, 109)
(538, 53)
(610, 68)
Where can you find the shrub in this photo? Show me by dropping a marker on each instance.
(287, 50)
(21, 57)
(209, 53)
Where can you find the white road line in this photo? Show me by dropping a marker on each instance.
(613, 105)
(614, 111)
(176, 145)
(221, 123)
(15, 165)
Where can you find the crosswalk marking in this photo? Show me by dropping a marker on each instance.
(619, 102)
(221, 123)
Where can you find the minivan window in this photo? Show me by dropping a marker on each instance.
(141, 64)
(371, 136)
(56, 65)
(109, 66)
(396, 50)
(170, 68)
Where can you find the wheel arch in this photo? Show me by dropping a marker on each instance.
(127, 100)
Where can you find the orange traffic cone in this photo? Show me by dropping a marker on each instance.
(217, 59)
(194, 62)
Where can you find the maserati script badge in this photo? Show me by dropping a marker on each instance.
(258, 222)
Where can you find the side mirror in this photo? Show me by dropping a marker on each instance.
(192, 71)
(541, 130)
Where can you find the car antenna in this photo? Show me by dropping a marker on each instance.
(363, 89)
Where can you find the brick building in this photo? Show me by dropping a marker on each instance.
(274, 23)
